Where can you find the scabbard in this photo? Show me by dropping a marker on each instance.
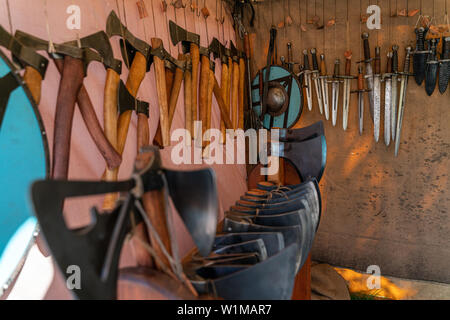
(33, 80)
(241, 93)
(69, 87)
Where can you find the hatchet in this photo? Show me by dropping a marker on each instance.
(137, 58)
(34, 64)
(173, 77)
(70, 90)
(190, 43)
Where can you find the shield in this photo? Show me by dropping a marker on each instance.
(285, 98)
(24, 158)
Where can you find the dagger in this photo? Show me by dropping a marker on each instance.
(377, 94)
(307, 78)
(335, 91)
(347, 86)
(369, 72)
(404, 83)
(431, 68)
(420, 55)
(360, 93)
(387, 78)
(444, 66)
(394, 91)
(324, 85)
(315, 77)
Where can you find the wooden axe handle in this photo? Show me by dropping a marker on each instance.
(241, 93)
(223, 108)
(33, 80)
(176, 87)
(106, 148)
(69, 87)
(225, 78)
(157, 139)
(135, 76)
(211, 79)
(110, 117)
(155, 208)
(234, 93)
(161, 87)
(203, 91)
(189, 114)
(195, 60)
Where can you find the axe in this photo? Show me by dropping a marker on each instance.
(34, 64)
(241, 85)
(137, 58)
(172, 79)
(175, 72)
(70, 90)
(96, 248)
(190, 43)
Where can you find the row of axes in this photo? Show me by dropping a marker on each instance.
(72, 60)
(369, 81)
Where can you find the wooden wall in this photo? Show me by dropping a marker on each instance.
(378, 209)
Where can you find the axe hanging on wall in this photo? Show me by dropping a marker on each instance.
(173, 77)
(234, 85)
(137, 57)
(34, 64)
(190, 43)
(72, 90)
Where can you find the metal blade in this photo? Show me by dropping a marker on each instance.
(387, 111)
(319, 94)
(431, 77)
(376, 107)
(361, 112)
(444, 76)
(346, 103)
(324, 87)
(369, 81)
(394, 107)
(335, 103)
(308, 90)
(401, 109)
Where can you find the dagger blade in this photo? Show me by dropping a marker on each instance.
(387, 111)
(324, 87)
(308, 89)
(376, 106)
(335, 103)
(346, 103)
(361, 112)
(318, 92)
(394, 106)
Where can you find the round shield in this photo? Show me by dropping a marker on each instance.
(23, 159)
(284, 98)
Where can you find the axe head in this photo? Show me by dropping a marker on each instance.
(127, 102)
(99, 42)
(298, 135)
(129, 44)
(216, 48)
(179, 34)
(95, 248)
(194, 195)
(308, 157)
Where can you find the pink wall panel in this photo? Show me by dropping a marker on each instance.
(86, 162)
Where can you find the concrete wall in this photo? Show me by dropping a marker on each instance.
(378, 209)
